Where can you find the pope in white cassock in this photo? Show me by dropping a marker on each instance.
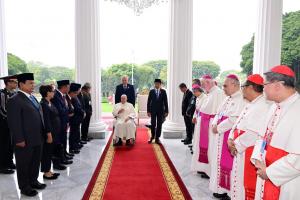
(227, 115)
(276, 154)
(124, 126)
(243, 136)
(206, 108)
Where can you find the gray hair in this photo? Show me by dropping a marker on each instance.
(124, 95)
(287, 80)
(125, 76)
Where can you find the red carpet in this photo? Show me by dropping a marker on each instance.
(137, 173)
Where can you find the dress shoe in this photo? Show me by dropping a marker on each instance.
(205, 176)
(50, 177)
(69, 154)
(39, 186)
(59, 167)
(74, 151)
(66, 162)
(83, 142)
(219, 196)
(68, 157)
(56, 174)
(183, 140)
(150, 141)
(226, 198)
(29, 192)
(79, 146)
(148, 126)
(157, 141)
(187, 142)
(7, 171)
(12, 166)
(119, 143)
(198, 172)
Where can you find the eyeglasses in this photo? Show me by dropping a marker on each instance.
(243, 86)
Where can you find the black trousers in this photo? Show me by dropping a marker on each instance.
(6, 148)
(85, 126)
(28, 164)
(74, 137)
(156, 124)
(189, 127)
(46, 157)
(62, 138)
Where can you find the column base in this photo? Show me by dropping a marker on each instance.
(173, 130)
(97, 130)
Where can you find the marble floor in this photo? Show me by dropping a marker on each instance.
(72, 182)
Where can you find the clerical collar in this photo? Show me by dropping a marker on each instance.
(237, 93)
(257, 98)
(291, 99)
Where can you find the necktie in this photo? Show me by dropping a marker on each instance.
(157, 94)
(34, 101)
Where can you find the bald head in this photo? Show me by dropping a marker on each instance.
(123, 98)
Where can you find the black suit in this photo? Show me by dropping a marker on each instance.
(6, 147)
(129, 91)
(86, 101)
(52, 125)
(186, 100)
(157, 105)
(75, 122)
(26, 124)
(60, 103)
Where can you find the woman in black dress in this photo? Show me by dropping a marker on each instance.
(52, 127)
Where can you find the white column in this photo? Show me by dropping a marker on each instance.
(179, 63)
(88, 57)
(267, 44)
(3, 51)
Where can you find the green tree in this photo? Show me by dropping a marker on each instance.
(164, 75)
(205, 67)
(290, 52)
(16, 65)
(158, 65)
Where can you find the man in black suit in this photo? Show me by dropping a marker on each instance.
(61, 104)
(6, 148)
(187, 96)
(87, 102)
(157, 109)
(76, 119)
(26, 123)
(127, 89)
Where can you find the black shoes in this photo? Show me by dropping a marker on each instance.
(157, 141)
(148, 126)
(59, 167)
(184, 140)
(220, 196)
(150, 141)
(66, 162)
(187, 142)
(29, 192)
(74, 151)
(83, 142)
(119, 143)
(7, 171)
(128, 143)
(205, 176)
(39, 186)
(50, 177)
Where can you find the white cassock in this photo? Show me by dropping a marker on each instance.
(227, 115)
(209, 106)
(244, 134)
(281, 152)
(199, 102)
(124, 129)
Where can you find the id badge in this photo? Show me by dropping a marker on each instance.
(263, 146)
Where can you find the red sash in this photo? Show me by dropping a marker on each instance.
(204, 131)
(272, 192)
(249, 175)
(226, 162)
(249, 170)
